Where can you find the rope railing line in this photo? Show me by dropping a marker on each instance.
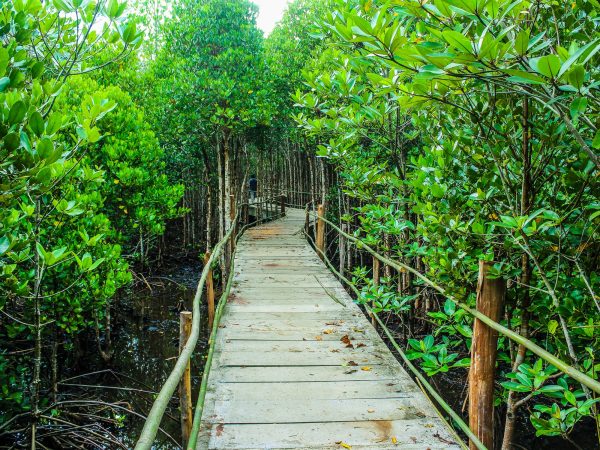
(514, 336)
(423, 381)
(154, 418)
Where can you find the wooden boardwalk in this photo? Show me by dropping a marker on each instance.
(298, 366)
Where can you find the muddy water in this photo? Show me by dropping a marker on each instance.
(145, 343)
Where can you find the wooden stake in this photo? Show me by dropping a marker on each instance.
(490, 301)
(375, 283)
(320, 238)
(282, 205)
(185, 385)
(210, 293)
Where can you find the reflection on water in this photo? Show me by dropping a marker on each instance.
(145, 342)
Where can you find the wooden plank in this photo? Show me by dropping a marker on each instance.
(321, 358)
(418, 434)
(402, 407)
(308, 374)
(318, 390)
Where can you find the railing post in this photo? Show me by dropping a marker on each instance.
(282, 200)
(376, 272)
(320, 237)
(232, 216)
(185, 385)
(307, 221)
(490, 301)
(210, 292)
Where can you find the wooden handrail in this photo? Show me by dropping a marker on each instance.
(577, 375)
(154, 418)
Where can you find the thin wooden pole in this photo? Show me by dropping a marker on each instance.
(490, 301)
(320, 238)
(232, 215)
(376, 272)
(185, 385)
(282, 204)
(210, 292)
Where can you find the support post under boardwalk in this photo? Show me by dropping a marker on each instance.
(185, 385)
(210, 293)
(320, 237)
(490, 301)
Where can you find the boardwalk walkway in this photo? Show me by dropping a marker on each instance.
(295, 369)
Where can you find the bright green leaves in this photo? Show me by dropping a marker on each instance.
(548, 66)
(50, 258)
(522, 42)
(458, 41)
(115, 9)
(4, 83)
(17, 112)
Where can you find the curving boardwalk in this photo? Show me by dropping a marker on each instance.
(298, 366)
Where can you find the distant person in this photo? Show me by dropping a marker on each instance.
(252, 185)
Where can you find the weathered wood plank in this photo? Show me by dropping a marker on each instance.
(418, 434)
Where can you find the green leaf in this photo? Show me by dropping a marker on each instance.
(548, 65)
(513, 386)
(521, 76)
(17, 112)
(552, 326)
(596, 141)
(4, 83)
(578, 107)
(576, 76)
(458, 41)
(36, 123)
(522, 42)
(4, 245)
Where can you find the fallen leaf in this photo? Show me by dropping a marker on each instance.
(351, 371)
(365, 368)
(219, 429)
(346, 340)
(358, 330)
(352, 363)
(361, 345)
(335, 350)
(319, 338)
(394, 440)
(414, 439)
(343, 444)
(370, 410)
(327, 331)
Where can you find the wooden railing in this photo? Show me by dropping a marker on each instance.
(482, 359)
(270, 209)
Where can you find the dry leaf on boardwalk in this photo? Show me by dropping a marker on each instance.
(343, 444)
(346, 340)
(365, 368)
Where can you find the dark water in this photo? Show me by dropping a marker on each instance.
(145, 343)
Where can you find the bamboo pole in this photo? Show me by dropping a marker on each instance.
(320, 234)
(210, 292)
(375, 285)
(185, 386)
(490, 301)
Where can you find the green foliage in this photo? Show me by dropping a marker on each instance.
(464, 134)
(62, 142)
